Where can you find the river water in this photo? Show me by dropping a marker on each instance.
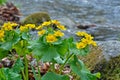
(101, 12)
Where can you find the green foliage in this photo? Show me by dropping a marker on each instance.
(110, 70)
(50, 47)
(53, 76)
(79, 68)
(2, 1)
(13, 73)
(3, 53)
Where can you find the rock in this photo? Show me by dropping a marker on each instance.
(110, 48)
(69, 23)
(104, 32)
(85, 26)
(36, 18)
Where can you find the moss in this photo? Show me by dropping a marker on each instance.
(93, 58)
(109, 70)
(36, 18)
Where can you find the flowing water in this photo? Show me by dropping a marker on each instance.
(101, 12)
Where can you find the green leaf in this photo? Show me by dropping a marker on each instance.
(15, 38)
(22, 47)
(49, 54)
(2, 1)
(10, 75)
(59, 60)
(62, 48)
(11, 39)
(79, 68)
(7, 45)
(34, 73)
(18, 66)
(45, 52)
(53, 76)
(25, 36)
(3, 53)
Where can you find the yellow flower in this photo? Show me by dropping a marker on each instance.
(39, 27)
(81, 33)
(14, 24)
(41, 32)
(93, 43)
(58, 33)
(55, 22)
(89, 37)
(8, 26)
(46, 23)
(85, 41)
(31, 26)
(1, 34)
(80, 45)
(23, 28)
(51, 38)
(61, 27)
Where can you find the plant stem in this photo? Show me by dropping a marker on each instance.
(23, 74)
(65, 62)
(39, 75)
(26, 67)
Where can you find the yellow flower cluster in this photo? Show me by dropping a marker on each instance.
(87, 40)
(51, 38)
(9, 26)
(40, 33)
(58, 33)
(48, 23)
(59, 26)
(31, 26)
(1, 34)
(26, 27)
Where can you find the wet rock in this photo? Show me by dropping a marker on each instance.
(105, 33)
(69, 23)
(85, 26)
(110, 48)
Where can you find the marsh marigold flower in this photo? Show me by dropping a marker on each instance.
(41, 32)
(56, 22)
(61, 27)
(39, 27)
(51, 38)
(87, 40)
(46, 23)
(80, 45)
(1, 35)
(8, 26)
(31, 26)
(23, 28)
(81, 33)
(58, 33)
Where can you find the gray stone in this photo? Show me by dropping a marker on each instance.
(105, 33)
(69, 23)
(110, 48)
